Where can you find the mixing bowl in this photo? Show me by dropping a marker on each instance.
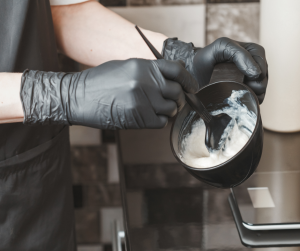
(240, 167)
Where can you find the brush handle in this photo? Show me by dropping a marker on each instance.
(151, 47)
(191, 99)
(198, 107)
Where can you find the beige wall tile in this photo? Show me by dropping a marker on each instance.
(135, 208)
(238, 21)
(89, 248)
(84, 136)
(185, 22)
(108, 216)
(222, 237)
(112, 164)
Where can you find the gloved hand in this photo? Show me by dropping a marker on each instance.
(130, 94)
(249, 58)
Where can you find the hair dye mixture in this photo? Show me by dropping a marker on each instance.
(195, 153)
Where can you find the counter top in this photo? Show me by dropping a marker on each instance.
(165, 208)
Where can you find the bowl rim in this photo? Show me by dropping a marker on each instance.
(239, 152)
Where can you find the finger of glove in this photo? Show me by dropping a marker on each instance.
(181, 62)
(242, 59)
(258, 54)
(159, 122)
(163, 121)
(173, 70)
(165, 107)
(173, 91)
(259, 87)
(141, 117)
(156, 122)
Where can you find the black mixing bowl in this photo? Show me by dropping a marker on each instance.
(240, 167)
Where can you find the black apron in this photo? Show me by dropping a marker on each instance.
(36, 207)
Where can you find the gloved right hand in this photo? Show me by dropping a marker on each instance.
(130, 94)
(249, 58)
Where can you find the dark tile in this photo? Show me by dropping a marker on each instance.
(173, 206)
(113, 2)
(101, 195)
(108, 136)
(159, 175)
(89, 164)
(108, 247)
(87, 226)
(179, 237)
(135, 208)
(77, 196)
(145, 239)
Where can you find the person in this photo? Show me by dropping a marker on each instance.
(126, 88)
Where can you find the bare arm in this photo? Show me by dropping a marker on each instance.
(10, 104)
(92, 34)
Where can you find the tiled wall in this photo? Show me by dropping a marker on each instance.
(93, 152)
(239, 21)
(187, 22)
(154, 190)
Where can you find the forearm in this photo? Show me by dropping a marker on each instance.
(92, 34)
(10, 103)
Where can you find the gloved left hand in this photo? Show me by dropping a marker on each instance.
(249, 58)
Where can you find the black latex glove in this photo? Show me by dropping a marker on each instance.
(130, 94)
(249, 58)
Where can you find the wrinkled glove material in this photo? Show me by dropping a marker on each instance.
(41, 97)
(174, 49)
